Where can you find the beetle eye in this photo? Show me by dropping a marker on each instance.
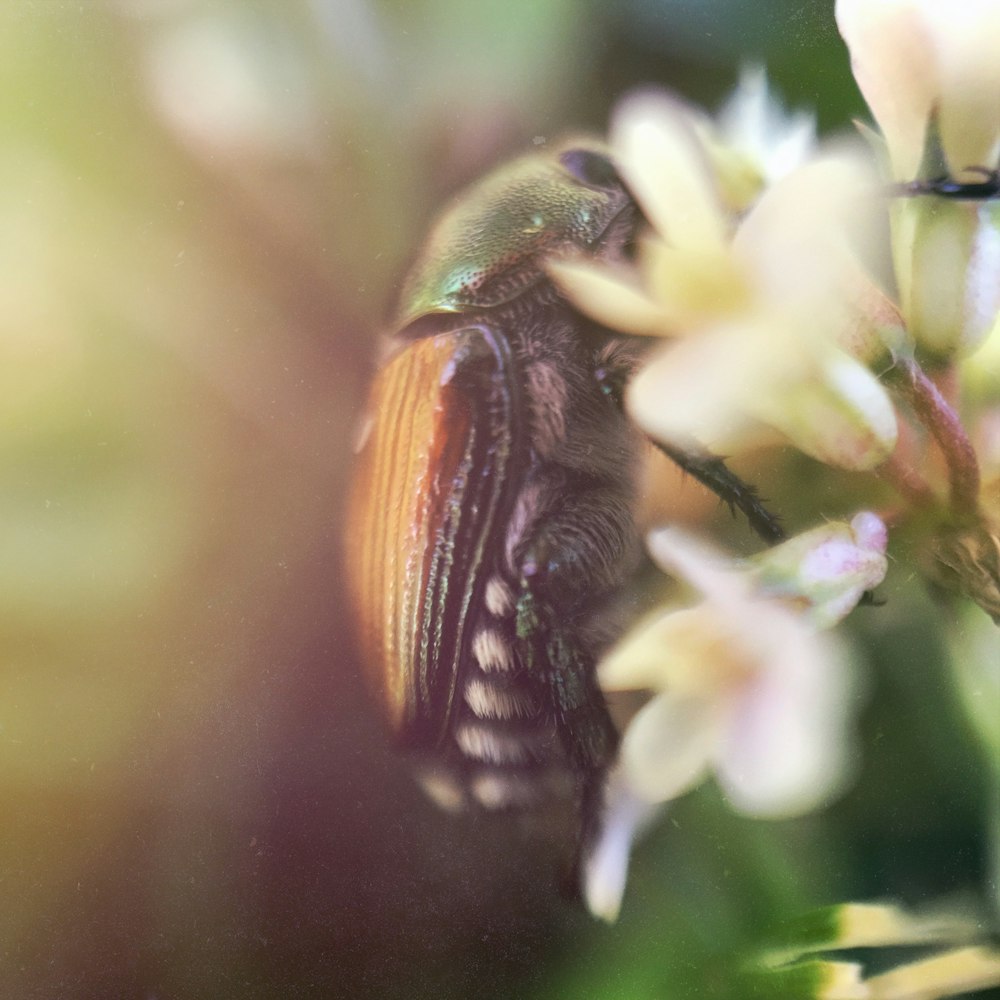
(591, 168)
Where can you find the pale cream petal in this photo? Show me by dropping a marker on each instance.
(687, 651)
(698, 563)
(701, 387)
(612, 299)
(753, 122)
(954, 292)
(894, 63)
(841, 981)
(843, 417)
(636, 662)
(667, 746)
(801, 240)
(967, 38)
(787, 749)
(663, 163)
(873, 925)
(698, 287)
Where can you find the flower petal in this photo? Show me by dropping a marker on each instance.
(786, 750)
(894, 63)
(666, 168)
(668, 745)
(963, 970)
(967, 39)
(698, 563)
(753, 122)
(702, 387)
(805, 231)
(688, 651)
(843, 417)
(830, 567)
(611, 299)
(606, 867)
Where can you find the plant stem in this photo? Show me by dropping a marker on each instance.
(939, 417)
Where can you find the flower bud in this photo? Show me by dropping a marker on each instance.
(841, 415)
(828, 568)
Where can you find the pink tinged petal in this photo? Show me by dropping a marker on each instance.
(872, 323)
(830, 567)
(837, 575)
(787, 749)
(668, 745)
(664, 165)
(844, 418)
(894, 63)
(606, 868)
(699, 564)
(870, 532)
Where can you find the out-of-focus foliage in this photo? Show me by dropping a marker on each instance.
(205, 207)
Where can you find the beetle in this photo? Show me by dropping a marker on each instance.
(490, 519)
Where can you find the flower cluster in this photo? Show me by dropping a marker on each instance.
(781, 317)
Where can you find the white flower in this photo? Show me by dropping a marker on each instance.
(930, 73)
(758, 315)
(915, 60)
(743, 684)
(753, 128)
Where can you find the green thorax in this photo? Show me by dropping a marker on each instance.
(489, 246)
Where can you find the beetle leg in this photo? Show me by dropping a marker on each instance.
(576, 551)
(571, 558)
(711, 471)
(552, 652)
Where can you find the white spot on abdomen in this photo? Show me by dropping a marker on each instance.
(499, 791)
(499, 598)
(485, 744)
(489, 701)
(491, 652)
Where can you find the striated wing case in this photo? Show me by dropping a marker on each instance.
(430, 495)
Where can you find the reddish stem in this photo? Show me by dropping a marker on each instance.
(939, 417)
(907, 482)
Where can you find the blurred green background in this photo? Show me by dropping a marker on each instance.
(205, 211)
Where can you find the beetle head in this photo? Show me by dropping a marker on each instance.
(489, 246)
